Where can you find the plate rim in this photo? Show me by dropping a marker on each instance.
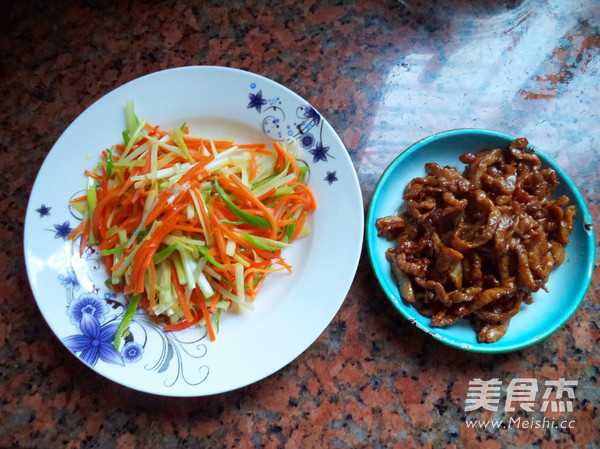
(371, 236)
(357, 203)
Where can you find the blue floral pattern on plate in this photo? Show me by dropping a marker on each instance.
(319, 153)
(62, 231)
(43, 210)
(331, 177)
(132, 352)
(87, 304)
(256, 101)
(95, 341)
(97, 318)
(302, 125)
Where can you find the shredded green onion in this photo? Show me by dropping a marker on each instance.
(217, 316)
(109, 163)
(289, 230)
(302, 171)
(124, 324)
(115, 250)
(204, 251)
(264, 243)
(163, 254)
(260, 222)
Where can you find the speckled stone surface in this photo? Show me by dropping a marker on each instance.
(384, 74)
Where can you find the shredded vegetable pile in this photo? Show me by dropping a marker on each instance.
(190, 226)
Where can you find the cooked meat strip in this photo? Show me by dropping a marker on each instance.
(476, 245)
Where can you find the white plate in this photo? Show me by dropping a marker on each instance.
(291, 311)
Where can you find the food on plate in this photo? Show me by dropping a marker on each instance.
(190, 226)
(476, 245)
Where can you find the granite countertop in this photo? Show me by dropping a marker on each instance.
(385, 74)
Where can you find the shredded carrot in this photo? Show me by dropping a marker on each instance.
(215, 301)
(253, 166)
(206, 315)
(84, 238)
(285, 155)
(76, 232)
(78, 199)
(189, 228)
(152, 293)
(183, 301)
(93, 175)
(176, 224)
(257, 288)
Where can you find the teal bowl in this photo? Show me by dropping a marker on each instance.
(566, 286)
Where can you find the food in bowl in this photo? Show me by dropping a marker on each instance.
(476, 245)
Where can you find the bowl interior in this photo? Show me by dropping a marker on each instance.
(567, 283)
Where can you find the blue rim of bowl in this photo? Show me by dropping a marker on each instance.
(371, 235)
